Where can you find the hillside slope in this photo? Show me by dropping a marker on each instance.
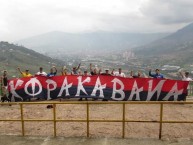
(177, 47)
(13, 56)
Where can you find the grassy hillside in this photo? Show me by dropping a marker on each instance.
(176, 48)
(13, 56)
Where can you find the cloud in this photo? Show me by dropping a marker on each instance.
(168, 11)
(25, 18)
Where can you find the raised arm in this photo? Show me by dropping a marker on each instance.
(78, 66)
(131, 73)
(181, 74)
(112, 72)
(91, 67)
(19, 70)
(150, 74)
(99, 71)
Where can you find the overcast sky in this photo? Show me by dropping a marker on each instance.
(24, 18)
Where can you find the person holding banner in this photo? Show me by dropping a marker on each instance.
(64, 71)
(139, 74)
(185, 77)
(41, 72)
(157, 74)
(25, 74)
(119, 73)
(75, 70)
(106, 73)
(93, 71)
(52, 73)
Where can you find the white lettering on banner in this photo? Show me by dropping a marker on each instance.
(174, 92)
(157, 89)
(98, 87)
(135, 91)
(65, 86)
(50, 82)
(80, 85)
(33, 86)
(33, 82)
(13, 88)
(120, 91)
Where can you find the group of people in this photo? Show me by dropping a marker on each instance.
(93, 71)
(53, 72)
(76, 71)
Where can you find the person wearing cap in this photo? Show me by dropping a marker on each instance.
(25, 74)
(157, 74)
(41, 72)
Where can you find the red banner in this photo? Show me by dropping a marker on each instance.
(101, 87)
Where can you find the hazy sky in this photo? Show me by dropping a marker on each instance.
(24, 18)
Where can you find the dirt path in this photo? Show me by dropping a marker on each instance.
(105, 129)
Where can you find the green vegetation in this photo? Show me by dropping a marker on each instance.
(13, 56)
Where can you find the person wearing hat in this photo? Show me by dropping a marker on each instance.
(25, 74)
(157, 74)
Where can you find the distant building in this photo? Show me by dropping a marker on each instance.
(128, 55)
(170, 67)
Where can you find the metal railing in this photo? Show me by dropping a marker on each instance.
(88, 120)
(190, 90)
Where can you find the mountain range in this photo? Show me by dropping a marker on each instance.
(57, 43)
(176, 47)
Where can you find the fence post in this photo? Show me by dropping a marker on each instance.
(54, 118)
(123, 122)
(22, 121)
(87, 114)
(161, 119)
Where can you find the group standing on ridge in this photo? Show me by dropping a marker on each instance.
(92, 71)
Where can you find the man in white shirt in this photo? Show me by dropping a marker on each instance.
(119, 73)
(41, 72)
(185, 77)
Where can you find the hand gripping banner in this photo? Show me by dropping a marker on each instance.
(101, 87)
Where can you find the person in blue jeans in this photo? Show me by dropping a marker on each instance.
(156, 75)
